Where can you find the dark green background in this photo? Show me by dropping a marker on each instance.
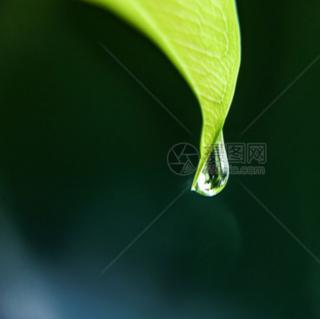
(83, 170)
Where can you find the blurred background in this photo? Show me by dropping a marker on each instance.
(91, 221)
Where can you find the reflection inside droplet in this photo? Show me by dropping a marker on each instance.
(215, 173)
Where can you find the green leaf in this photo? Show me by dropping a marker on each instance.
(202, 39)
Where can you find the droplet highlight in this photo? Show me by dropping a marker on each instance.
(215, 172)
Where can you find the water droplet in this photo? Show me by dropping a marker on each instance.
(215, 172)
